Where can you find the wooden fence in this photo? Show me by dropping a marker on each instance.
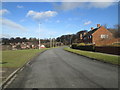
(108, 49)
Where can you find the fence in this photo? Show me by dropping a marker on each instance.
(103, 49)
(108, 49)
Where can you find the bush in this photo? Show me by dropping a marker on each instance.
(82, 46)
(74, 46)
(116, 44)
(86, 47)
(18, 47)
(47, 46)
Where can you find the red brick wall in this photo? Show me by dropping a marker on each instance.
(100, 41)
(107, 42)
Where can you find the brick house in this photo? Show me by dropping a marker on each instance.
(79, 36)
(99, 36)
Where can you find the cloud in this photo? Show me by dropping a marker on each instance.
(60, 0)
(3, 11)
(11, 24)
(89, 0)
(19, 6)
(41, 15)
(5, 36)
(66, 6)
(87, 23)
(100, 4)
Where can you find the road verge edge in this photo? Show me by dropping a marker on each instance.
(67, 49)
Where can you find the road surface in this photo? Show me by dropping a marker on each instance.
(56, 68)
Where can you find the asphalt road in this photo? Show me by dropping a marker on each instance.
(56, 68)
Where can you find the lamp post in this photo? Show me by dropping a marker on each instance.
(39, 37)
(53, 42)
(71, 40)
(39, 43)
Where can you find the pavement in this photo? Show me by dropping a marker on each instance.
(56, 68)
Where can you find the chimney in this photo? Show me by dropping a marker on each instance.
(92, 28)
(98, 25)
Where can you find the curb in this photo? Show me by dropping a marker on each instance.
(94, 59)
(16, 71)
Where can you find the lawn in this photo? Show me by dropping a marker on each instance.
(18, 58)
(99, 56)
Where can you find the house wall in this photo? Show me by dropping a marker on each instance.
(102, 41)
(107, 42)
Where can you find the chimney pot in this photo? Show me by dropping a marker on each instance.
(98, 25)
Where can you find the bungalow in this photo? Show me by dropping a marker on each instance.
(99, 36)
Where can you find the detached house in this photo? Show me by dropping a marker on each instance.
(79, 35)
(99, 36)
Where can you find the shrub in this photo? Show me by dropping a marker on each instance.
(18, 47)
(116, 44)
(82, 46)
(86, 47)
(47, 46)
(74, 46)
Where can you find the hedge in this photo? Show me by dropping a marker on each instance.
(83, 47)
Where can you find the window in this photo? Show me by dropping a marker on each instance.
(104, 36)
(80, 35)
(90, 36)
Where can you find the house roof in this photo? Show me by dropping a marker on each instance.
(91, 32)
(80, 32)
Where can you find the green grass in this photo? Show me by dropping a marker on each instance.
(18, 58)
(99, 56)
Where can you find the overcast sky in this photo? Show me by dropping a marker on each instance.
(21, 19)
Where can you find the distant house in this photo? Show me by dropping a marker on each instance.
(99, 36)
(80, 35)
(42, 46)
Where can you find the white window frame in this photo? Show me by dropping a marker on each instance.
(103, 36)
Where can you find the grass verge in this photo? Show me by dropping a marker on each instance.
(17, 58)
(113, 59)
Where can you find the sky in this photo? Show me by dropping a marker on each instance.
(53, 19)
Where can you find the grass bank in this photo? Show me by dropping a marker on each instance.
(18, 58)
(99, 56)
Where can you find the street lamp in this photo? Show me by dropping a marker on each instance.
(51, 41)
(39, 37)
